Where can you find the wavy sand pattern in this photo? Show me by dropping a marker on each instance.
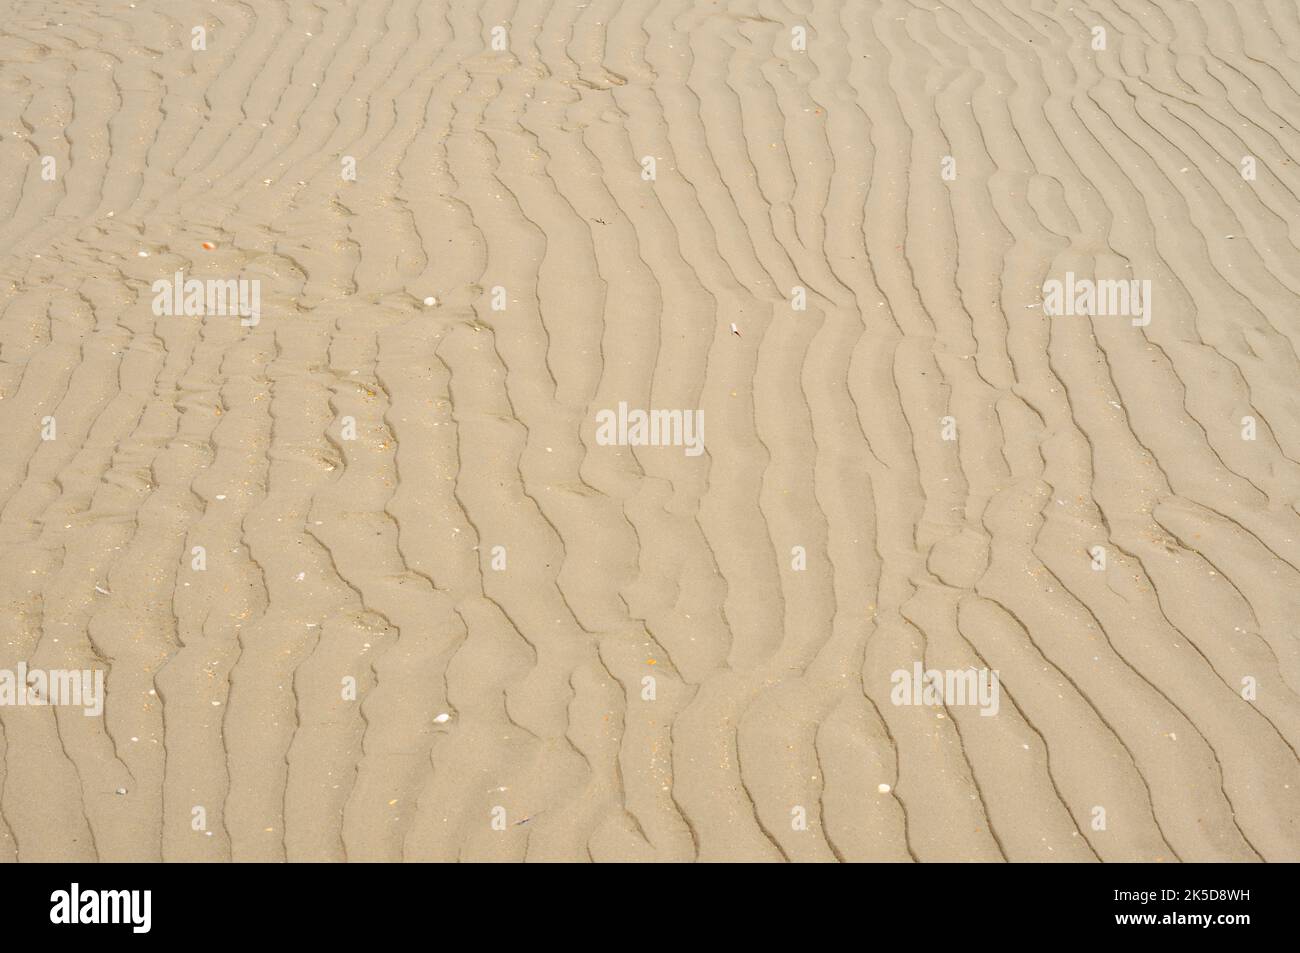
(524, 687)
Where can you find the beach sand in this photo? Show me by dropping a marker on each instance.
(365, 577)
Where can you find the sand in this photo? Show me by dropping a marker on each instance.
(367, 580)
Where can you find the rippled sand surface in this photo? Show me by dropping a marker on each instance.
(366, 581)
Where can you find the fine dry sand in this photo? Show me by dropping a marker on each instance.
(228, 733)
